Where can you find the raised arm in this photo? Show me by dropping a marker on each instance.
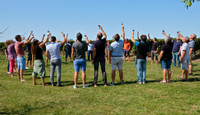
(138, 36)
(165, 34)
(29, 35)
(132, 38)
(43, 43)
(123, 33)
(104, 34)
(86, 38)
(149, 37)
(181, 36)
(42, 38)
(64, 39)
(28, 40)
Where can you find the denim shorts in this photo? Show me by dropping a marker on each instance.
(184, 65)
(166, 64)
(79, 63)
(21, 63)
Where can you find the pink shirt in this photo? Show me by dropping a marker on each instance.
(11, 51)
(19, 49)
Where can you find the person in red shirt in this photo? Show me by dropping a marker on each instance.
(127, 47)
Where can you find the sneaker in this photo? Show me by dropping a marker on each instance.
(112, 84)
(27, 68)
(105, 85)
(84, 86)
(183, 79)
(190, 74)
(75, 87)
(163, 81)
(23, 80)
(8, 72)
(122, 83)
(143, 82)
(60, 85)
(95, 85)
(139, 82)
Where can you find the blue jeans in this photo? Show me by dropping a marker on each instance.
(90, 54)
(56, 64)
(141, 70)
(176, 58)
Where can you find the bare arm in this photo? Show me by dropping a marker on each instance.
(87, 41)
(138, 36)
(182, 56)
(165, 34)
(73, 57)
(29, 35)
(42, 38)
(179, 50)
(47, 54)
(64, 39)
(28, 40)
(161, 55)
(43, 43)
(6, 54)
(104, 34)
(109, 56)
(132, 38)
(181, 36)
(33, 60)
(149, 37)
(191, 50)
(123, 33)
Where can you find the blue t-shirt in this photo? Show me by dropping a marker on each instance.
(176, 46)
(137, 43)
(117, 48)
(54, 50)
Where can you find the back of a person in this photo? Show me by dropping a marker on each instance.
(127, 45)
(19, 49)
(68, 47)
(154, 46)
(191, 44)
(28, 47)
(167, 55)
(11, 51)
(90, 47)
(54, 50)
(117, 48)
(100, 47)
(39, 54)
(142, 50)
(187, 51)
(80, 48)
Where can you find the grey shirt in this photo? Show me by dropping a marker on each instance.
(79, 49)
(192, 44)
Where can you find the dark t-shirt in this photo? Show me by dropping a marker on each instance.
(100, 47)
(142, 49)
(79, 48)
(154, 46)
(176, 46)
(68, 47)
(39, 54)
(28, 47)
(167, 48)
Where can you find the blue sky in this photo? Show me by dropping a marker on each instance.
(72, 16)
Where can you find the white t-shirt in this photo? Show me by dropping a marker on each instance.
(90, 47)
(185, 47)
(117, 48)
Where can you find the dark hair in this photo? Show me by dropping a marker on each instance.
(155, 39)
(99, 36)
(17, 37)
(34, 46)
(79, 36)
(117, 37)
(143, 37)
(7, 43)
(53, 38)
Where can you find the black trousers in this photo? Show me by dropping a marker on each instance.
(90, 53)
(100, 60)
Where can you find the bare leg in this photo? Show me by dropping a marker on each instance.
(43, 82)
(164, 74)
(76, 78)
(128, 58)
(83, 77)
(34, 80)
(183, 72)
(21, 74)
(186, 74)
(18, 73)
(113, 75)
(31, 63)
(121, 75)
(169, 74)
(27, 63)
(190, 68)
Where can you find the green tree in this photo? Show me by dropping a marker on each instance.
(189, 3)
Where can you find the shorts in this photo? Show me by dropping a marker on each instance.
(28, 56)
(154, 55)
(21, 63)
(126, 52)
(68, 53)
(166, 64)
(190, 59)
(39, 69)
(79, 63)
(184, 65)
(117, 62)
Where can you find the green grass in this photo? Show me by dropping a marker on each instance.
(152, 98)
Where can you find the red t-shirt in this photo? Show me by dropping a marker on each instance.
(19, 49)
(127, 45)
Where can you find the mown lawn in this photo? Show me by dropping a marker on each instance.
(176, 97)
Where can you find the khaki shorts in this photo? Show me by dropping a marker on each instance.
(117, 62)
(39, 68)
(190, 59)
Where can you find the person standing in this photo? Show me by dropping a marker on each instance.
(37, 58)
(11, 56)
(116, 52)
(68, 48)
(6, 54)
(21, 62)
(154, 50)
(78, 55)
(107, 49)
(165, 58)
(99, 56)
(142, 50)
(176, 51)
(90, 49)
(28, 55)
(127, 47)
(53, 51)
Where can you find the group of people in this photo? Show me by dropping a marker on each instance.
(117, 53)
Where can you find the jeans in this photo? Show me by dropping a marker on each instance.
(56, 64)
(79, 63)
(176, 58)
(100, 60)
(90, 53)
(141, 70)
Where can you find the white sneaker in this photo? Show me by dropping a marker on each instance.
(23, 80)
(8, 72)
(27, 68)
(75, 87)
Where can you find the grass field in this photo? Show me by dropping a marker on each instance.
(176, 97)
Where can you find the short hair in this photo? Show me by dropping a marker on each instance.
(7, 43)
(17, 37)
(79, 36)
(186, 39)
(53, 38)
(194, 36)
(155, 38)
(143, 37)
(117, 37)
(99, 35)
